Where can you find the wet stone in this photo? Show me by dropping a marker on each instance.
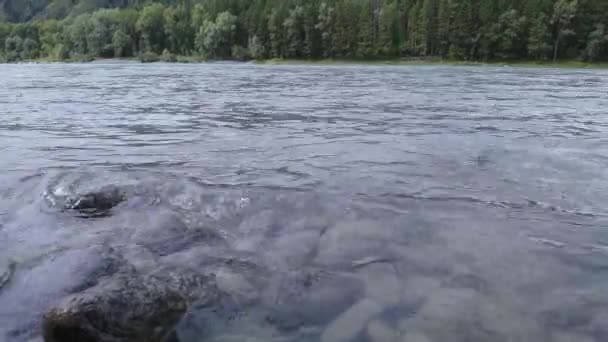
(416, 289)
(128, 307)
(467, 281)
(415, 337)
(141, 258)
(164, 232)
(498, 316)
(351, 323)
(449, 304)
(295, 249)
(306, 301)
(96, 203)
(382, 283)
(566, 313)
(236, 286)
(7, 268)
(571, 337)
(452, 315)
(347, 242)
(599, 325)
(378, 331)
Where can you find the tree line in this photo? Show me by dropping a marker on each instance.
(311, 29)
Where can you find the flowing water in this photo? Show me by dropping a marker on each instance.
(363, 203)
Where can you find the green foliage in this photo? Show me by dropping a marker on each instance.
(59, 53)
(276, 32)
(297, 44)
(215, 39)
(257, 49)
(151, 25)
(100, 37)
(167, 57)
(539, 37)
(262, 29)
(121, 43)
(504, 38)
(5, 31)
(388, 30)
(326, 25)
(29, 49)
(148, 57)
(81, 58)
(597, 43)
(564, 12)
(13, 47)
(240, 53)
(77, 34)
(50, 37)
(178, 30)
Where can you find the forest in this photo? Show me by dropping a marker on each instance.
(171, 30)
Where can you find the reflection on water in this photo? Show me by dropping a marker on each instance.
(342, 203)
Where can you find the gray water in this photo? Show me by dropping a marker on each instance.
(371, 203)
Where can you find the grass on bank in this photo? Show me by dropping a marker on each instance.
(167, 57)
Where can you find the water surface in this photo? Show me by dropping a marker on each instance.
(372, 203)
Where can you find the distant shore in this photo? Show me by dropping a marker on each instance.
(572, 64)
(438, 61)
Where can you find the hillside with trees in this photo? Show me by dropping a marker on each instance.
(298, 29)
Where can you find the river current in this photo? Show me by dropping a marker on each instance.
(362, 203)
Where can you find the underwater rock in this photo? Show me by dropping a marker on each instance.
(378, 331)
(305, 301)
(350, 324)
(382, 283)
(7, 269)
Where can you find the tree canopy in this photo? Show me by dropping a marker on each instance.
(305, 29)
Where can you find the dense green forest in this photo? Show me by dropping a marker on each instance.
(304, 29)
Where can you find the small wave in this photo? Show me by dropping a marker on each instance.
(548, 242)
(495, 203)
(487, 129)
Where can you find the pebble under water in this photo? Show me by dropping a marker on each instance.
(331, 203)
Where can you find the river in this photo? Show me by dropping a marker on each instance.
(431, 203)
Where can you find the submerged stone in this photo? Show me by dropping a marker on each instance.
(352, 322)
(347, 242)
(306, 301)
(418, 288)
(378, 331)
(571, 337)
(7, 268)
(415, 337)
(382, 283)
(567, 311)
(236, 285)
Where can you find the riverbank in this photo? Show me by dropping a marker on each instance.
(569, 64)
(437, 61)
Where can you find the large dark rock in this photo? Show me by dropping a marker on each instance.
(96, 203)
(311, 299)
(129, 308)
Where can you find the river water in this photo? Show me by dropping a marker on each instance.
(372, 203)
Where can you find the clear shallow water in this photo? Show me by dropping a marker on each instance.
(371, 203)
